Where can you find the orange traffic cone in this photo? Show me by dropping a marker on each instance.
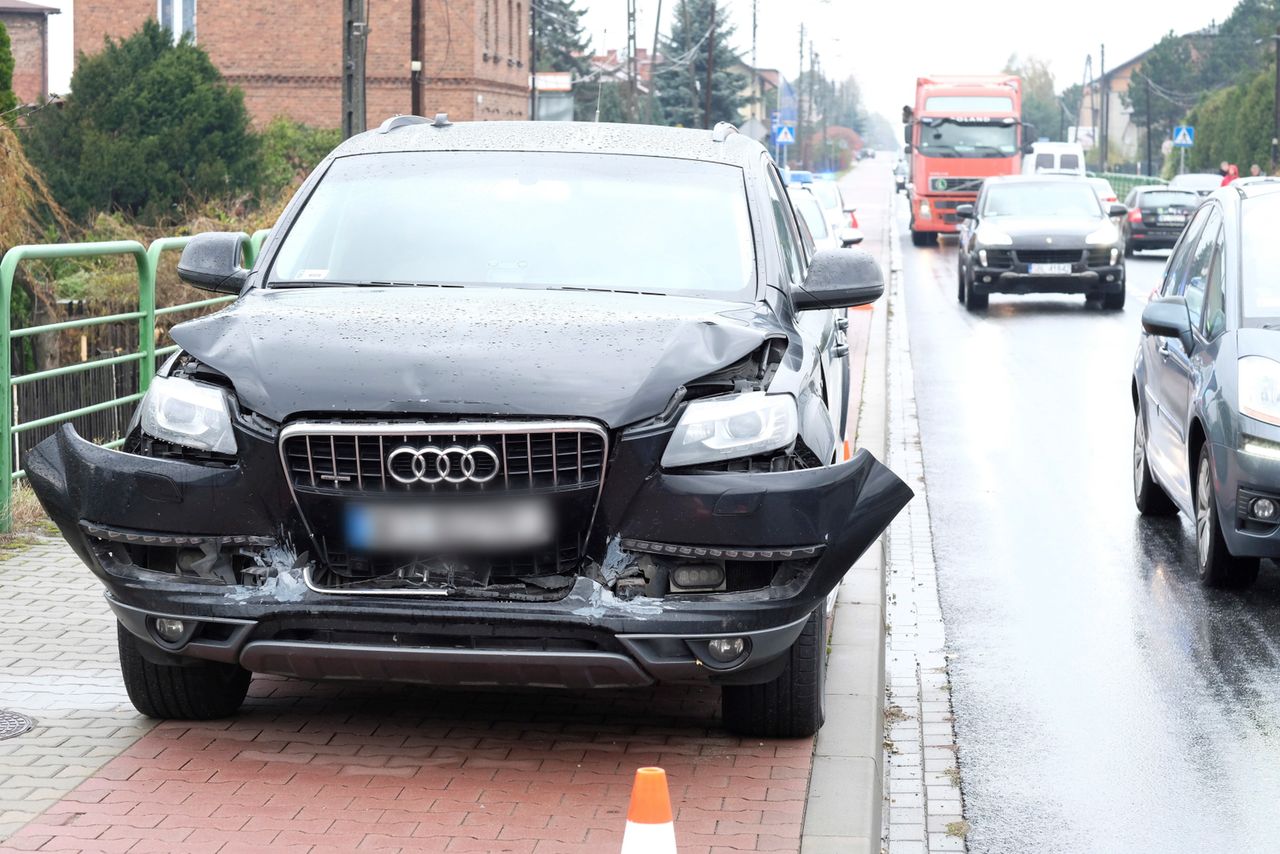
(650, 829)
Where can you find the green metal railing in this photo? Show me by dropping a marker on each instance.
(1123, 182)
(147, 260)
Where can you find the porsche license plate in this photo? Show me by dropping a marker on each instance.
(1050, 269)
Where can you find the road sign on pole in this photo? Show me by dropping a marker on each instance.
(784, 135)
(1184, 136)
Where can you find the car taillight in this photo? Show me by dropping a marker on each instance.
(853, 219)
(1135, 215)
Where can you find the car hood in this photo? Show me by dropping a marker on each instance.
(1047, 232)
(467, 351)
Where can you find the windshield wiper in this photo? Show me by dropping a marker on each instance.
(995, 150)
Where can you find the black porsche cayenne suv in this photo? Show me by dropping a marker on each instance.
(498, 404)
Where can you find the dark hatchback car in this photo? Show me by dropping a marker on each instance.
(602, 448)
(1156, 218)
(1206, 385)
(1039, 234)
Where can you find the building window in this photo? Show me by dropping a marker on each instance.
(511, 32)
(520, 28)
(488, 45)
(178, 17)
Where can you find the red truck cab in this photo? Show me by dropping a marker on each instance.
(961, 131)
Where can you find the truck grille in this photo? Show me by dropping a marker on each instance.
(955, 185)
(430, 459)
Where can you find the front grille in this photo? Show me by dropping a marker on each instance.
(347, 459)
(1049, 256)
(955, 185)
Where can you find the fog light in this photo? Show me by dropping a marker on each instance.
(170, 630)
(924, 209)
(704, 576)
(725, 650)
(1110, 278)
(1263, 508)
(986, 279)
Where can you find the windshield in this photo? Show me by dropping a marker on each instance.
(1260, 281)
(828, 194)
(809, 208)
(1052, 200)
(533, 220)
(1165, 198)
(949, 139)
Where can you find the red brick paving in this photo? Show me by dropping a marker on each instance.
(323, 768)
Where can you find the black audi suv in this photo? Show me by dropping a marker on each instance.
(600, 449)
(1206, 385)
(1039, 234)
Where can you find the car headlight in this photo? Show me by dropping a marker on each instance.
(989, 236)
(1259, 381)
(730, 427)
(188, 413)
(1104, 236)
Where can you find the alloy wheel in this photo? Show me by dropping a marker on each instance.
(1139, 454)
(1204, 513)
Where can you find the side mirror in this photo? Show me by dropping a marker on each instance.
(850, 237)
(840, 279)
(906, 131)
(906, 149)
(1118, 210)
(964, 211)
(1167, 317)
(211, 261)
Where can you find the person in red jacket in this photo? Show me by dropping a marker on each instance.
(1233, 172)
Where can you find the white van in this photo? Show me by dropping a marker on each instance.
(1054, 158)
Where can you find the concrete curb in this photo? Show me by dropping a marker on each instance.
(846, 786)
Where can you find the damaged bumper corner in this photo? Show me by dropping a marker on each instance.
(808, 526)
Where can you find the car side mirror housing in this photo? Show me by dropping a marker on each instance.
(211, 261)
(850, 236)
(1118, 209)
(840, 279)
(906, 149)
(964, 211)
(1167, 317)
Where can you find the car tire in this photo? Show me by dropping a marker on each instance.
(1113, 302)
(1217, 566)
(1149, 496)
(790, 706)
(923, 238)
(972, 300)
(960, 289)
(193, 690)
(1128, 249)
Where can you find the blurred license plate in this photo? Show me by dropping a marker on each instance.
(1171, 219)
(465, 526)
(1050, 269)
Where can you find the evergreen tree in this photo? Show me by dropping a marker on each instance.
(148, 126)
(562, 46)
(681, 79)
(8, 101)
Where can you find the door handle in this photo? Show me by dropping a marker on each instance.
(1164, 351)
(841, 351)
(842, 323)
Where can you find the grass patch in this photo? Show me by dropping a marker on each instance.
(958, 829)
(29, 521)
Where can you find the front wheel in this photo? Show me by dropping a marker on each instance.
(1217, 566)
(923, 238)
(972, 300)
(193, 690)
(791, 706)
(1113, 302)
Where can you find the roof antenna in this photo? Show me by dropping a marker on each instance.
(441, 121)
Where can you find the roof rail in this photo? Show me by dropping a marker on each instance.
(721, 131)
(400, 121)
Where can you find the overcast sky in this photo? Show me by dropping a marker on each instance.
(885, 45)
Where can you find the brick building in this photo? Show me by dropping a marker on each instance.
(287, 55)
(28, 27)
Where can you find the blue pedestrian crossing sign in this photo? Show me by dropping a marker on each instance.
(1184, 136)
(784, 135)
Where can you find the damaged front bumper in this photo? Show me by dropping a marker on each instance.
(245, 594)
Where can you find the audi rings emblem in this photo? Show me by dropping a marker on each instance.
(454, 464)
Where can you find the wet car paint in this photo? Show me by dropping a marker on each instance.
(1104, 701)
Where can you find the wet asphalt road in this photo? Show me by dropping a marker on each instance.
(1104, 701)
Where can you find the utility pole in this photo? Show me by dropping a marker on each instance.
(415, 57)
(1275, 130)
(1105, 84)
(355, 30)
(653, 63)
(631, 58)
(1148, 79)
(799, 143)
(711, 67)
(533, 62)
(807, 155)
